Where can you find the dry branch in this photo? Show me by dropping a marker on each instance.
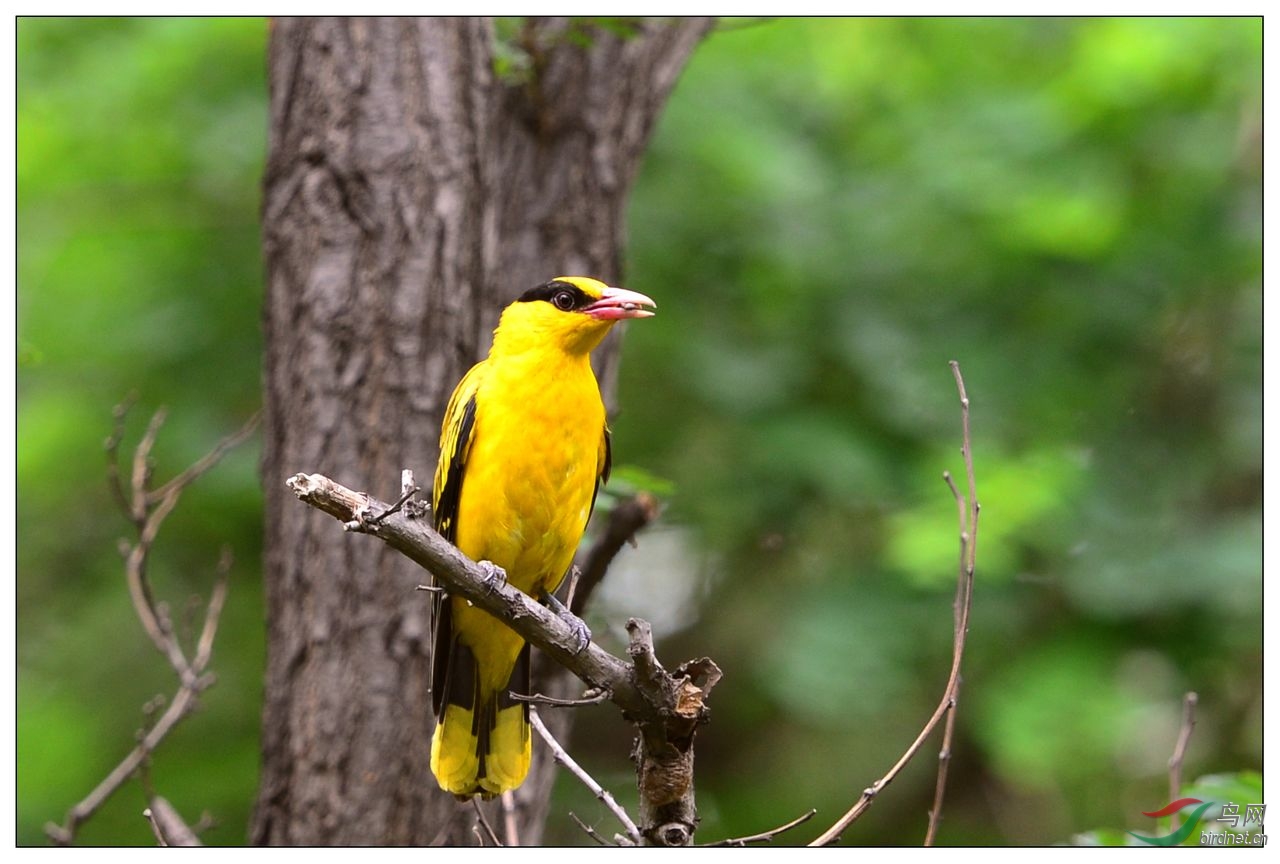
(147, 509)
(968, 509)
(766, 836)
(603, 795)
(1189, 702)
(665, 708)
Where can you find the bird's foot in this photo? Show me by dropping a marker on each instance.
(494, 576)
(581, 632)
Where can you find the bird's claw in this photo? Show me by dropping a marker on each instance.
(581, 632)
(494, 576)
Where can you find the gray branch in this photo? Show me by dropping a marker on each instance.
(665, 708)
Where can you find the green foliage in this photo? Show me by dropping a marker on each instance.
(1219, 791)
(831, 210)
(140, 148)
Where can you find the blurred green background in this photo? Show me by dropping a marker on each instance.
(830, 211)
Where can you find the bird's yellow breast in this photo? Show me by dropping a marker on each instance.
(532, 470)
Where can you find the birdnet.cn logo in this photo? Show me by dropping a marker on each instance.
(1230, 828)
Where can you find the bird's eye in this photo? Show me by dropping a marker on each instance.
(563, 300)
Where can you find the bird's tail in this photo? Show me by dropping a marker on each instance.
(481, 745)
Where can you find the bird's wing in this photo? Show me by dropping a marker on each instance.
(604, 462)
(455, 445)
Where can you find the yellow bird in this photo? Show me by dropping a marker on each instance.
(523, 450)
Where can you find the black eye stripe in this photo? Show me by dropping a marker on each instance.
(579, 298)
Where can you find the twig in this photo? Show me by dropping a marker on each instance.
(944, 762)
(590, 832)
(202, 465)
(155, 827)
(147, 511)
(963, 603)
(183, 703)
(510, 824)
(602, 794)
(765, 836)
(168, 825)
(1189, 702)
(483, 822)
(552, 702)
(112, 448)
(405, 495)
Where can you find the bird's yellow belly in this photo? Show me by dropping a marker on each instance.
(527, 495)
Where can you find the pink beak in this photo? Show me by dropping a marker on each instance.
(618, 303)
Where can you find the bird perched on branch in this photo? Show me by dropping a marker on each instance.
(524, 449)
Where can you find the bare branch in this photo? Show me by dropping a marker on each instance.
(595, 698)
(209, 460)
(217, 599)
(484, 823)
(590, 832)
(112, 447)
(963, 601)
(140, 477)
(667, 709)
(944, 762)
(155, 827)
(147, 511)
(183, 703)
(602, 794)
(1189, 703)
(765, 836)
(510, 824)
(169, 827)
(405, 495)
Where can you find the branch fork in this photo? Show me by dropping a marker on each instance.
(665, 708)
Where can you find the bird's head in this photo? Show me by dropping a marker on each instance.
(572, 312)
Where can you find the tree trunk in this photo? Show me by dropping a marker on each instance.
(409, 194)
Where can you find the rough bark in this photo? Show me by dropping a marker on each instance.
(408, 195)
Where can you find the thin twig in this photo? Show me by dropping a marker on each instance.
(212, 614)
(944, 762)
(183, 703)
(147, 511)
(510, 824)
(168, 825)
(141, 474)
(968, 517)
(958, 611)
(963, 603)
(590, 832)
(405, 495)
(561, 756)
(202, 465)
(483, 822)
(552, 702)
(1189, 702)
(112, 447)
(155, 827)
(765, 836)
